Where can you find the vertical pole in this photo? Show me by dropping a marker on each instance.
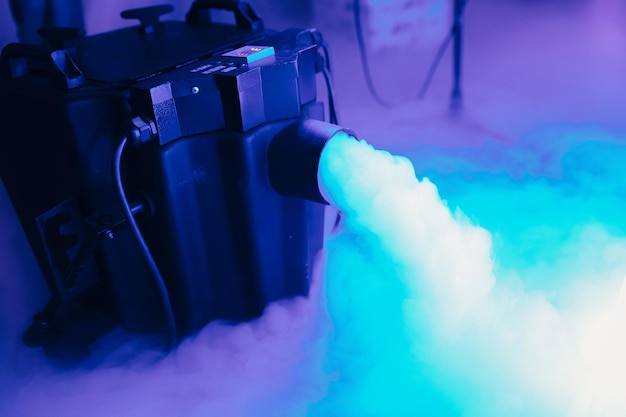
(457, 98)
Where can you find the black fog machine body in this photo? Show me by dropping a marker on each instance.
(165, 174)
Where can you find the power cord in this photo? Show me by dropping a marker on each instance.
(432, 69)
(323, 66)
(332, 107)
(364, 61)
(158, 278)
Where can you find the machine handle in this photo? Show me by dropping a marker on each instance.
(245, 17)
(148, 16)
(60, 36)
(20, 59)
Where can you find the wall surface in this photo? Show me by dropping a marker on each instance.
(8, 32)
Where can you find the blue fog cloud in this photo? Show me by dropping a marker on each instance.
(435, 315)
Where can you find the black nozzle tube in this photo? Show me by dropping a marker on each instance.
(294, 155)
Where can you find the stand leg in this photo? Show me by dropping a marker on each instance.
(456, 101)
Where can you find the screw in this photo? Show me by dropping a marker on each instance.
(195, 90)
(109, 234)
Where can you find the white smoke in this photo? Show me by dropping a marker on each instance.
(265, 367)
(486, 346)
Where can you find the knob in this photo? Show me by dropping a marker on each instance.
(148, 16)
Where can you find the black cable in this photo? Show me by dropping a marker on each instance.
(364, 61)
(332, 106)
(323, 65)
(158, 278)
(327, 57)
